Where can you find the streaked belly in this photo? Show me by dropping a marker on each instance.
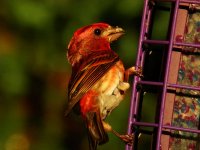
(107, 87)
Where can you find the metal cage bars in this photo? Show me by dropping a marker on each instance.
(146, 19)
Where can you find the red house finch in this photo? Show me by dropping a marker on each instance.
(98, 81)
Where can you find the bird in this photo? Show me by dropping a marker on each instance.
(98, 80)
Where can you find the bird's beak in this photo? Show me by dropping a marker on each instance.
(113, 33)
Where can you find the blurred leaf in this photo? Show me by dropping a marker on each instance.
(30, 13)
(12, 75)
(129, 7)
(128, 49)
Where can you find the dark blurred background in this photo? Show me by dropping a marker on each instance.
(34, 72)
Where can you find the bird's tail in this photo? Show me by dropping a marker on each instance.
(96, 132)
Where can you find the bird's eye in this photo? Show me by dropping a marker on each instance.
(97, 31)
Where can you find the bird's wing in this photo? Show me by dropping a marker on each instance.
(87, 74)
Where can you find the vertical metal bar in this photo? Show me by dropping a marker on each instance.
(166, 75)
(136, 79)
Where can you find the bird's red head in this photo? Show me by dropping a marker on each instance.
(91, 38)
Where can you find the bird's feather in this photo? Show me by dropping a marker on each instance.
(85, 75)
(96, 132)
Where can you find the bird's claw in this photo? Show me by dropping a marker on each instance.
(133, 71)
(127, 138)
(138, 72)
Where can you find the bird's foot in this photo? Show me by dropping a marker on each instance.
(127, 138)
(138, 71)
(133, 71)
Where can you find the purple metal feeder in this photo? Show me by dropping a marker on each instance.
(163, 86)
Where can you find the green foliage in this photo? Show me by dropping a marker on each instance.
(30, 13)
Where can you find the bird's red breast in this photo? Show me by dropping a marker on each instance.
(89, 102)
(105, 93)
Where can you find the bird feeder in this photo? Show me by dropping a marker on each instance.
(171, 69)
